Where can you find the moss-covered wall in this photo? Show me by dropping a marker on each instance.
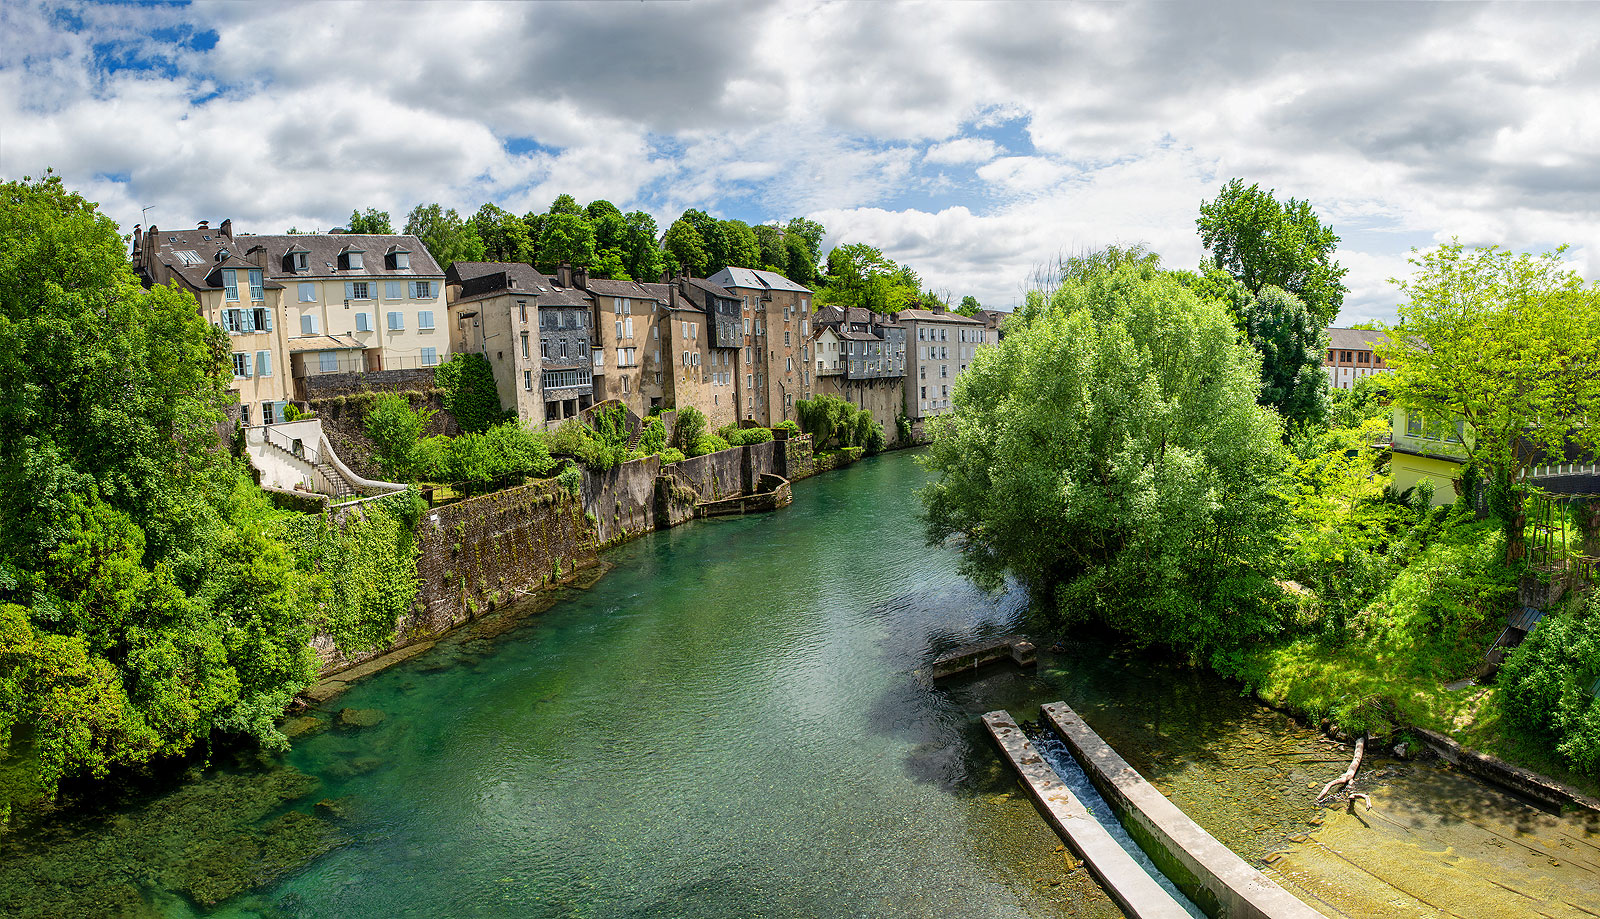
(797, 459)
(622, 500)
(485, 552)
(344, 423)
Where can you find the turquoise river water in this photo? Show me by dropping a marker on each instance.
(727, 724)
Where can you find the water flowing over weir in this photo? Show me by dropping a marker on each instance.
(729, 724)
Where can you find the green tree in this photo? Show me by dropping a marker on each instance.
(688, 429)
(713, 235)
(1509, 344)
(567, 238)
(444, 234)
(1546, 686)
(743, 249)
(683, 248)
(504, 235)
(803, 245)
(373, 221)
(608, 264)
(396, 429)
(1110, 455)
(969, 306)
(1291, 343)
(769, 243)
(860, 275)
(640, 254)
(566, 204)
(1261, 242)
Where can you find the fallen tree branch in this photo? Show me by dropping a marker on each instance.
(1349, 774)
(1363, 797)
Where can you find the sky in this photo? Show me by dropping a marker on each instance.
(974, 141)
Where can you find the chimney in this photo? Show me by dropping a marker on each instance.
(580, 278)
(204, 224)
(563, 275)
(226, 228)
(672, 293)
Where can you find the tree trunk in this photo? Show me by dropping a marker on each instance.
(1588, 517)
(1516, 528)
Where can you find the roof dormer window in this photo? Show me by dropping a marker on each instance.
(300, 261)
(351, 259)
(399, 258)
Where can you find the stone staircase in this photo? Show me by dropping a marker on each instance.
(340, 486)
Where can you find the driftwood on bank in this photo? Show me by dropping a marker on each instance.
(1349, 774)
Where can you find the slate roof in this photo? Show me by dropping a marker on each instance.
(323, 249)
(853, 335)
(606, 287)
(751, 278)
(931, 316)
(204, 243)
(1355, 339)
(485, 280)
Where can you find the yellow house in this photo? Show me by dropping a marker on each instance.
(1427, 449)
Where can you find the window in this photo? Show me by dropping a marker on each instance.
(425, 319)
(422, 290)
(789, 365)
(1344, 356)
(299, 261)
(556, 379)
(525, 352)
(619, 330)
(944, 370)
(1363, 357)
(269, 413)
(394, 290)
(942, 335)
(263, 363)
(263, 319)
(522, 310)
(747, 327)
(363, 322)
(327, 361)
(786, 339)
(627, 326)
(397, 322)
(241, 364)
(544, 347)
(922, 371)
(308, 292)
(244, 415)
(230, 284)
(624, 385)
(402, 260)
(430, 356)
(685, 331)
(627, 308)
(563, 347)
(356, 290)
(527, 380)
(354, 260)
(256, 288)
(308, 324)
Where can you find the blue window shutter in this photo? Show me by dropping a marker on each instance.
(266, 320)
(264, 363)
(349, 290)
(248, 364)
(247, 321)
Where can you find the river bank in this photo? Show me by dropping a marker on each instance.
(686, 737)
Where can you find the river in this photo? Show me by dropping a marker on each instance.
(728, 723)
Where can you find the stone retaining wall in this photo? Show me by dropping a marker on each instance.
(326, 385)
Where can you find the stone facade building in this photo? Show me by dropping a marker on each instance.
(939, 346)
(861, 358)
(775, 315)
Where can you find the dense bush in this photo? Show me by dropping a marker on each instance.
(672, 455)
(708, 443)
(689, 428)
(481, 462)
(571, 478)
(467, 381)
(788, 425)
(738, 437)
(395, 429)
(1547, 687)
(654, 437)
(601, 449)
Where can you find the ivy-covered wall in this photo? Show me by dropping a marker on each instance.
(798, 460)
(621, 501)
(344, 423)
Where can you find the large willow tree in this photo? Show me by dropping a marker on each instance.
(1110, 455)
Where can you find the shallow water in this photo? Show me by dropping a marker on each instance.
(726, 724)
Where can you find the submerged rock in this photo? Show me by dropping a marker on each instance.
(359, 717)
(304, 726)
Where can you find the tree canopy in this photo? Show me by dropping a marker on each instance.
(1264, 243)
(1110, 455)
(1508, 343)
(371, 221)
(444, 234)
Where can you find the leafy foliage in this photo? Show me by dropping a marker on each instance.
(1291, 344)
(372, 221)
(500, 456)
(470, 395)
(1547, 685)
(1110, 455)
(396, 430)
(444, 234)
(688, 429)
(143, 603)
(1263, 243)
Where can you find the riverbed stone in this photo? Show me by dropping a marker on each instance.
(304, 726)
(359, 717)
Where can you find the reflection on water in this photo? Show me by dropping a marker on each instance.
(727, 724)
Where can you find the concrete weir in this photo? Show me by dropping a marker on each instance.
(1139, 895)
(1212, 875)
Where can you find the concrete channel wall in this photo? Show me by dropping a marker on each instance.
(1212, 875)
(1139, 895)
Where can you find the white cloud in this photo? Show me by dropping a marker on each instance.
(963, 150)
(1403, 123)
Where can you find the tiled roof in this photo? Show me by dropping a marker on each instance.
(1355, 339)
